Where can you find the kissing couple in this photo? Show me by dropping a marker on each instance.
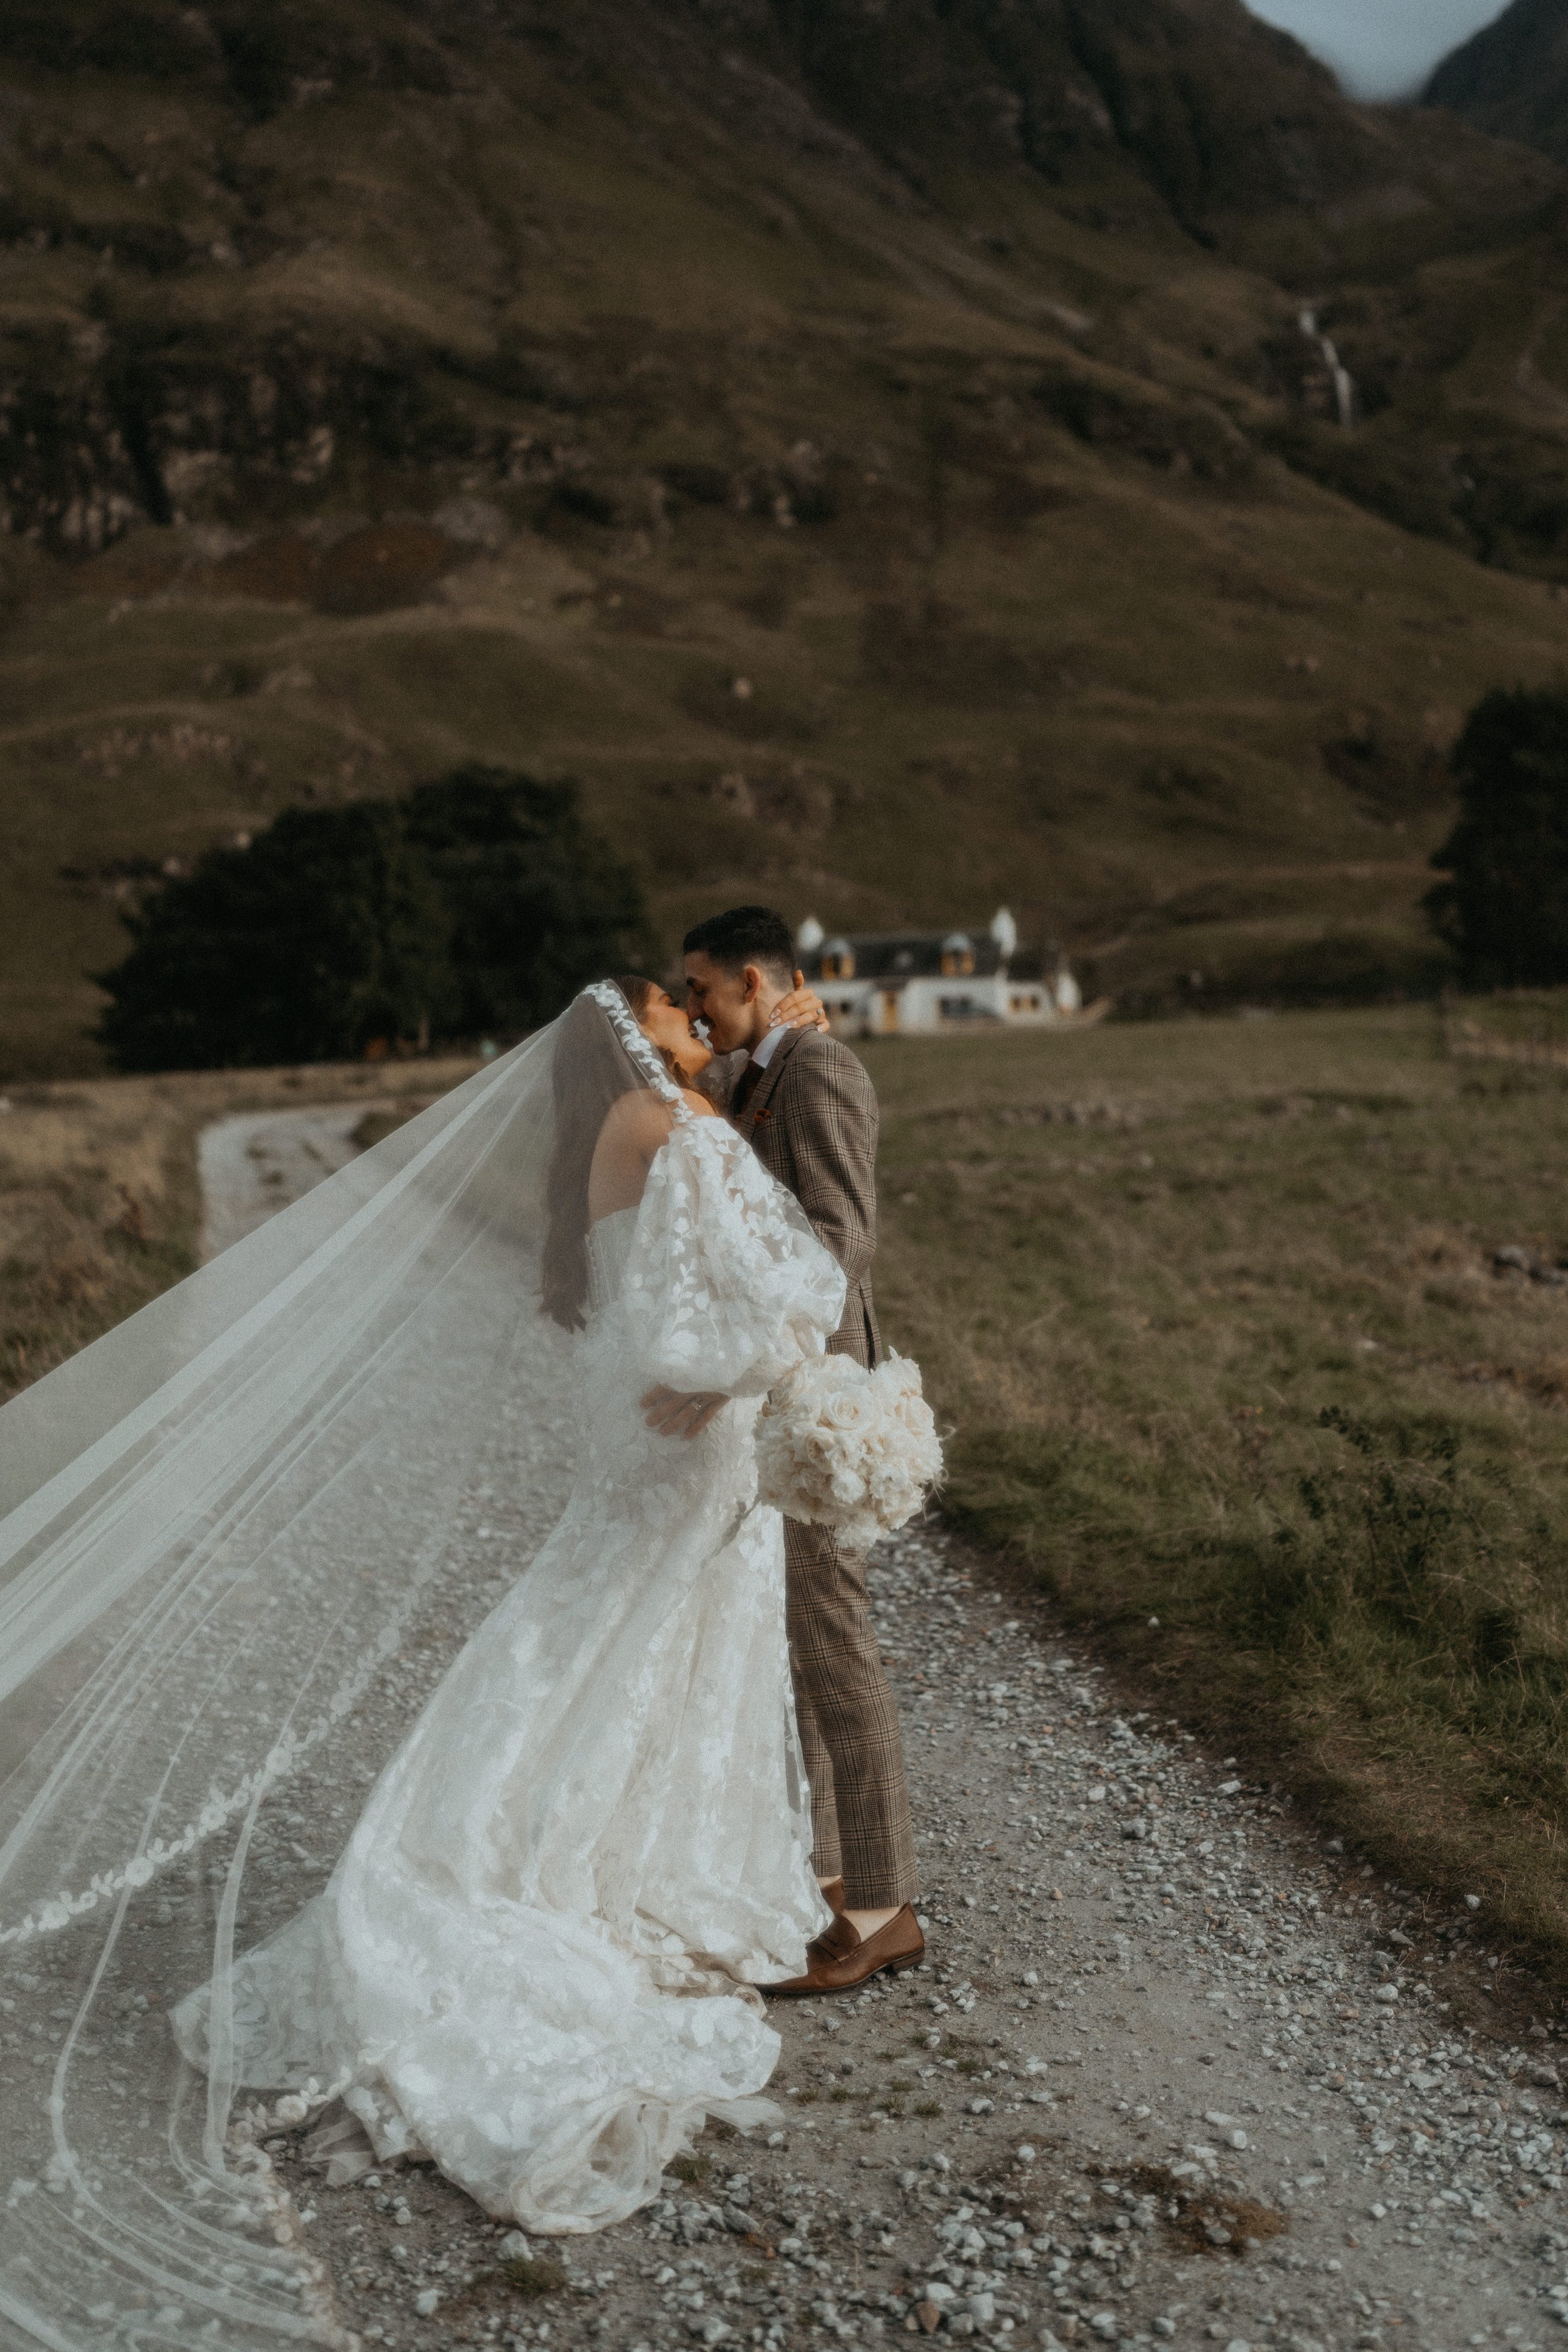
(663, 1778)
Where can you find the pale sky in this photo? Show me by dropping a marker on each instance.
(1380, 48)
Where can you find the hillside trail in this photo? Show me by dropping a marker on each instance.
(256, 1163)
(1173, 2070)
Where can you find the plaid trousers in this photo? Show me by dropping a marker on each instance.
(812, 1117)
(848, 1724)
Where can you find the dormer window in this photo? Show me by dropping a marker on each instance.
(957, 956)
(839, 960)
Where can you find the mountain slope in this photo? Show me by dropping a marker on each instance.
(877, 452)
(1512, 77)
(1235, 127)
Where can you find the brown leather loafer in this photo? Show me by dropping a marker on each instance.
(840, 1957)
(832, 1893)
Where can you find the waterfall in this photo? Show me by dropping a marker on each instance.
(1340, 375)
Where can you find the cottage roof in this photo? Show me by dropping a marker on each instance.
(905, 955)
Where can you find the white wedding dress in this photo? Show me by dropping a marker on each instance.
(534, 1961)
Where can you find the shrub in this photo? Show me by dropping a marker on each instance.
(536, 903)
(480, 902)
(1504, 908)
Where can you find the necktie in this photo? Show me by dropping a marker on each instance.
(746, 1087)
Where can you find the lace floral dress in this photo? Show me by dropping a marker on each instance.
(534, 1961)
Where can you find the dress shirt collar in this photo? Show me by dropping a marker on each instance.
(762, 1053)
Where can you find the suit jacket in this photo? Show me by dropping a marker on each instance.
(811, 1121)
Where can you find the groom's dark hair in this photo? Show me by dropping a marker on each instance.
(745, 935)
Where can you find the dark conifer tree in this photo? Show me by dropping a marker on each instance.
(1504, 908)
(323, 934)
(535, 900)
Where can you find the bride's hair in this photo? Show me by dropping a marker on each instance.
(639, 993)
(588, 1075)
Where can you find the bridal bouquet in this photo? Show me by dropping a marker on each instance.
(841, 1447)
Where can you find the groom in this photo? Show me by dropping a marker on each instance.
(809, 1108)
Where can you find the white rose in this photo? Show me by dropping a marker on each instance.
(846, 1409)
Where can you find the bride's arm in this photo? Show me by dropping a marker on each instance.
(683, 1412)
(635, 1131)
(727, 1286)
(679, 1412)
(633, 1135)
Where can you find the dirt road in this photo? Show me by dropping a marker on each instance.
(256, 1163)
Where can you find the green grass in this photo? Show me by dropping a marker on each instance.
(1213, 1312)
(1524, 1024)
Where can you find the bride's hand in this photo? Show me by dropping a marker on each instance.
(675, 1413)
(801, 1008)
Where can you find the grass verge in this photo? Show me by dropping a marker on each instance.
(99, 1201)
(1237, 1373)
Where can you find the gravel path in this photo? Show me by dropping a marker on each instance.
(1170, 2074)
(1173, 2071)
(254, 1163)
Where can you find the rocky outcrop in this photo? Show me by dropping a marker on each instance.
(1218, 113)
(100, 426)
(1512, 77)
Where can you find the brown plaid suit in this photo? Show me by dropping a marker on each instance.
(812, 1118)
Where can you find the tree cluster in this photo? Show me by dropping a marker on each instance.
(1503, 907)
(478, 904)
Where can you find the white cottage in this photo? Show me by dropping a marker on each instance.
(920, 983)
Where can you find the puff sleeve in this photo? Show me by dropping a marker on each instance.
(726, 1286)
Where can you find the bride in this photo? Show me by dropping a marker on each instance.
(230, 1532)
(536, 1960)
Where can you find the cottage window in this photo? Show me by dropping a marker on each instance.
(839, 960)
(957, 956)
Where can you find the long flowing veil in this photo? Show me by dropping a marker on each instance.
(237, 1546)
